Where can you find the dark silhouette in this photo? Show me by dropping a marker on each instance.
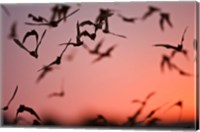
(20, 44)
(166, 60)
(52, 23)
(145, 100)
(179, 104)
(45, 70)
(23, 108)
(58, 94)
(6, 107)
(96, 49)
(57, 61)
(13, 31)
(103, 15)
(165, 17)
(130, 20)
(33, 53)
(179, 47)
(31, 33)
(92, 36)
(55, 11)
(133, 119)
(152, 112)
(104, 54)
(181, 72)
(5, 9)
(37, 19)
(151, 11)
(63, 11)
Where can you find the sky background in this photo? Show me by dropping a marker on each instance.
(106, 87)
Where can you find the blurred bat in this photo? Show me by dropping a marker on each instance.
(23, 108)
(6, 107)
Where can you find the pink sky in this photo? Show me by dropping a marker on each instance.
(108, 86)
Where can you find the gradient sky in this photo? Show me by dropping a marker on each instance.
(106, 87)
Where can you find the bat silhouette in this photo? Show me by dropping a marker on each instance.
(179, 47)
(145, 100)
(57, 61)
(96, 49)
(5, 9)
(20, 44)
(166, 60)
(92, 36)
(132, 120)
(37, 19)
(31, 33)
(125, 19)
(13, 31)
(58, 94)
(44, 70)
(6, 107)
(52, 23)
(151, 11)
(23, 108)
(33, 53)
(105, 54)
(55, 11)
(181, 72)
(165, 18)
(103, 15)
(179, 104)
(152, 112)
(63, 11)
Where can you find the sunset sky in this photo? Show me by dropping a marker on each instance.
(108, 86)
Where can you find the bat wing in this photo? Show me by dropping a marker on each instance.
(31, 33)
(20, 44)
(162, 24)
(150, 95)
(168, 46)
(32, 112)
(37, 24)
(97, 59)
(13, 95)
(182, 38)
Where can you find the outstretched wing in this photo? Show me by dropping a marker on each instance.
(20, 44)
(31, 33)
(182, 38)
(168, 46)
(32, 112)
(13, 95)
